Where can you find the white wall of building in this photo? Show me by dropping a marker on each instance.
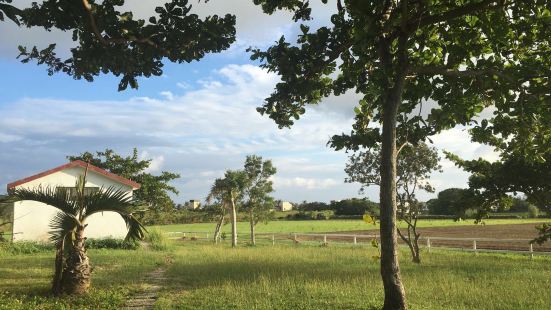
(32, 219)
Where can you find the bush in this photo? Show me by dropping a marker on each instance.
(311, 215)
(157, 240)
(25, 247)
(112, 243)
(533, 211)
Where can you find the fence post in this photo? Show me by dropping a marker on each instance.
(184, 235)
(273, 240)
(531, 251)
(428, 244)
(474, 246)
(295, 238)
(324, 239)
(355, 240)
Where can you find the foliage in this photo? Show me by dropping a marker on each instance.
(414, 166)
(112, 243)
(544, 231)
(533, 211)
(312, 206)
(354, 206)
(32, 247)
(154, 189)
(157, 240)
(311, 215)
(229, 192)
(25, 247)
(6, 219)
(459, 56)
(72, 269)
(109, 41)
(452, 201)
(258, 188)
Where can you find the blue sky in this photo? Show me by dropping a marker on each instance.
(197, 119)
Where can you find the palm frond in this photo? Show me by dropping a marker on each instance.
(116, 200)
(136, 231)
(63, 227)
(110, 199)
(48, 195)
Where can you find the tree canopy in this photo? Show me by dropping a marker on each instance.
(154, 190)
(421, 67)
(110, 41)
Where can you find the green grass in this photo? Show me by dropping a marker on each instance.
(343, 277)
(25, 279)
(306, 276)
(329, 225)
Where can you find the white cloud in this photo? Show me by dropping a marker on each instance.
(307, 183)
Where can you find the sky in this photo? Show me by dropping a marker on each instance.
(197, 119)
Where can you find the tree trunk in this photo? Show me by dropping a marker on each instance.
(233, 222)
(395, 298)
(58, 272)
(76, 276)
(218, 229)
(251, 222)
(412, 245)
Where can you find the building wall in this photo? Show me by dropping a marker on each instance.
(32, 219)
(284, 206)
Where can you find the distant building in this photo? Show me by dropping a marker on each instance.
(193, 204)
(284, 206)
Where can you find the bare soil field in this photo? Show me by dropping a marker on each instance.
(505, 232)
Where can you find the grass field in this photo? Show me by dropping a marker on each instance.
(331, 225)
(206, 276)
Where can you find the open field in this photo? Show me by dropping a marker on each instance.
(207, 276)
(333, 225)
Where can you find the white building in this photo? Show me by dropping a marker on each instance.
(31, 219)
(284, 206)
(193, 204)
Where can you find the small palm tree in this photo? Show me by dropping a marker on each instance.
(72, 266)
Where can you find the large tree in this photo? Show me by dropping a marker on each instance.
(421, 67)
(72, 266)
(415, 165)
(230, 190)
(154, 190)
(258, 187)
(110, 41)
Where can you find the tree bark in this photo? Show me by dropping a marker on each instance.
(76, 276)
(233, 222)
(218, 229)
(395, 298)
(251, 222)
(57, 289)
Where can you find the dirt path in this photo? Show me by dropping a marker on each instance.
(146, 298)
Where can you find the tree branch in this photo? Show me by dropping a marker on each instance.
(440, 70)
(104, 41)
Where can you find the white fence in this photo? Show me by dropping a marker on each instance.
(465, 244)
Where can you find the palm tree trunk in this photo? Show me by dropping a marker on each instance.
(76, 276)
(58, 273)
(251, 222)
(233, 222)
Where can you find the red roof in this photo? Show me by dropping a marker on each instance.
(77, 163)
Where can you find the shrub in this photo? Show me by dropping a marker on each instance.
(157, 240)
(112, 243)
(25, 247)
(533, 211)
